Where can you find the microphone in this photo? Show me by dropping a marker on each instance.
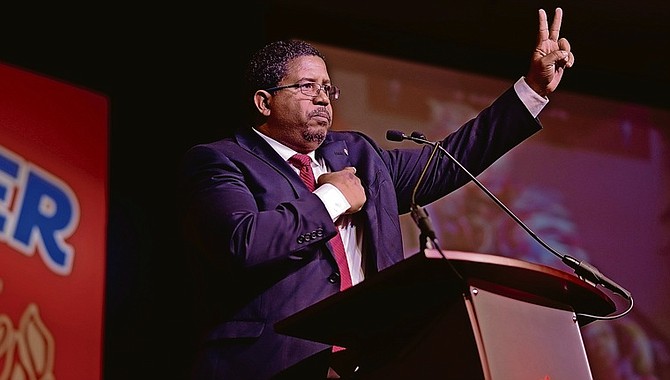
(418, 135)
(582, 269)
(393, 135)
(593, 275)
(419, 214)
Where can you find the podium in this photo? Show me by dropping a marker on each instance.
(457, 315)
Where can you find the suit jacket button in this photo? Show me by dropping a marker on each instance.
(300, 239)
(334, 278)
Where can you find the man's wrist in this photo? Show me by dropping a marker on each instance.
(336, 203)
(529, 97)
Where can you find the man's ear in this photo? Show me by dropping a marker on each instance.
(262, 101)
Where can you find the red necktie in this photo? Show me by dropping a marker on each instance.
(303, 162)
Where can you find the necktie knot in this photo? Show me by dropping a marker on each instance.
(304, 164)
(300, 160)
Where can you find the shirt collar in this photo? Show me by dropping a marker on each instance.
(281, 149)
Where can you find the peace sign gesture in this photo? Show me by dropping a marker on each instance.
(551, 56)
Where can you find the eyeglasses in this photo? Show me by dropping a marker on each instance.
(311, 89)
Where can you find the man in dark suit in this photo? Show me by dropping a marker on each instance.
(264, 239)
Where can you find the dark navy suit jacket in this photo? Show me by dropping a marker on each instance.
(260, 237)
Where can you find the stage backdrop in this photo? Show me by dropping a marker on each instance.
(53, 215)
(593, 184)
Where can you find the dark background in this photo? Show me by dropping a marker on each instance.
(172, 75)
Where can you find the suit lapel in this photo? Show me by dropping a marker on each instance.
(255, 144)
(335, 153)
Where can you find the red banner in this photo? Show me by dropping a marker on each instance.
(53, 213)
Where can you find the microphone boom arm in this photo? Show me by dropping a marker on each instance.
(582, 269)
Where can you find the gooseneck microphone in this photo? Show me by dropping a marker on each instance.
(419, 214)
(393, 135)
(427, 238)
(582, 269)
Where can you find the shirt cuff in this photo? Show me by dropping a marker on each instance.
(531, 99)
(333, 199)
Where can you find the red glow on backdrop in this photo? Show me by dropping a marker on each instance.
(53, 218)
